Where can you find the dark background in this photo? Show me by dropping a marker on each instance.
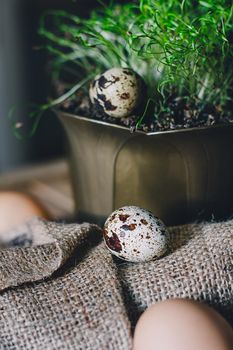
(23, 78)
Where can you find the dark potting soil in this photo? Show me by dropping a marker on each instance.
(178, 114)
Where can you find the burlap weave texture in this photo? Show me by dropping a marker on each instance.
(63, 290)
(199, 267)
(80, 307)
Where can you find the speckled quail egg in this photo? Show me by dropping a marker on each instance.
(135, 234)
(118, 92)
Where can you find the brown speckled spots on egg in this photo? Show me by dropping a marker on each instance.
(125, 96)
(144, 222)
(123, 217)
(115, 79)
(105, 83)
(107, 103)
(130, 227)
(127, 72)
(102, 82)
(132, 84)
(109, 106)
(113, 242)
(101, 97)
(163, 232)
(112, 217)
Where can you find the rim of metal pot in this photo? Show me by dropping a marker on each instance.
(99, 122)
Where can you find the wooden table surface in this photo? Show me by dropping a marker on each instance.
(48, 183)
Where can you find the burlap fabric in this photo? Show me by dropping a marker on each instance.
(199, 267)
(62, 289)
(80, 307)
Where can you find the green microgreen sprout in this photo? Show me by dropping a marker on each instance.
(182, 49)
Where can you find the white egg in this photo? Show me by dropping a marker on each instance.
(135, 234)
(118, 91)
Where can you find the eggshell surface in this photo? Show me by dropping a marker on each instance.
(117, 91)
(135, 234)
(181, 324)
(16, 208)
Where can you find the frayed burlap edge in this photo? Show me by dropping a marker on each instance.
(50, 249)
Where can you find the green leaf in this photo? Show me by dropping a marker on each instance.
(205, 4)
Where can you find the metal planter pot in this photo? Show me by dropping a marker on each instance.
(181, 176)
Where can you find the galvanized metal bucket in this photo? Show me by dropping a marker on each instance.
(181, 176)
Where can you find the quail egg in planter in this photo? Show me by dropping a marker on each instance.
(117, 91)
(162, 171)
(135, 234)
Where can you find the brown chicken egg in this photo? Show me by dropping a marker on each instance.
(16, 208)
(182, 325)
